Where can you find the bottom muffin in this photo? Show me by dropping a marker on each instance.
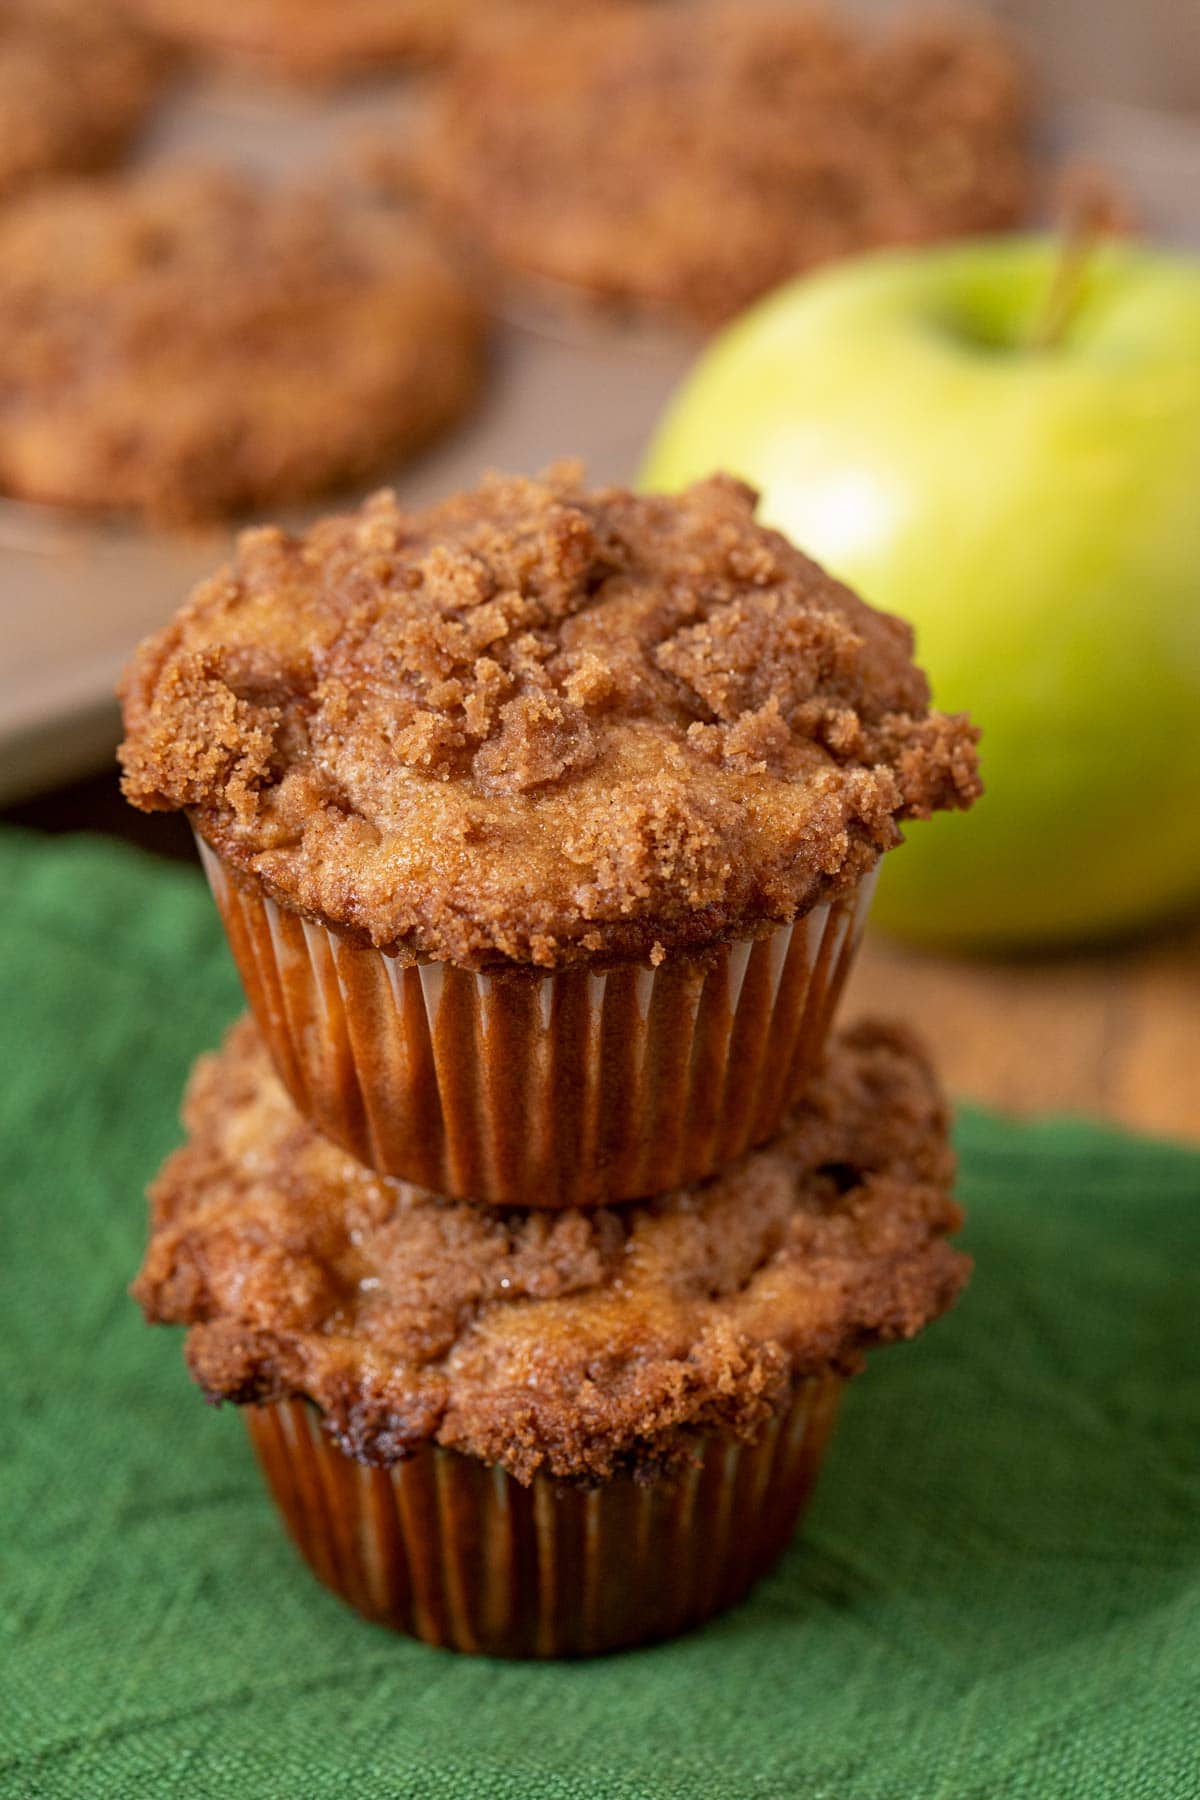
(545, 1434)
(460, 1554)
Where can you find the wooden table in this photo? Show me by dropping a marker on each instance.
(1114, 1031)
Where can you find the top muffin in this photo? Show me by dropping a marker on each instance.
(540, 724)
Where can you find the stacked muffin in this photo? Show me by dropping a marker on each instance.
(532, 1218)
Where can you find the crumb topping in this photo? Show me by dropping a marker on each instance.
(193, 343)
(690, 158)
(576, 1342)
(539, 723)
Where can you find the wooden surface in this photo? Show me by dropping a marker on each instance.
(1113, 1032)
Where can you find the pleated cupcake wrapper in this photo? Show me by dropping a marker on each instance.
(551, 1089)
(461, 1555)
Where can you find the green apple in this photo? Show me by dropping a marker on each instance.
(1035, 513)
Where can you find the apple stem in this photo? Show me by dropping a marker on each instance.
(1090, 211)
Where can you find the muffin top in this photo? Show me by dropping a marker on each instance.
(193, 343)
(75, 83)
(540, 724)
(688, 158)
(576, 1342)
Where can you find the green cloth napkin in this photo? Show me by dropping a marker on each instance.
(997, 1592)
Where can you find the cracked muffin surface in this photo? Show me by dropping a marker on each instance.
(540, 724)
(581, 1343)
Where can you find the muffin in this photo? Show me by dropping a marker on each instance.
(76, 82)
(191, 344)
(306, 40)
(536, 1434)
(686, 159)
(542, 821)
(320, 42)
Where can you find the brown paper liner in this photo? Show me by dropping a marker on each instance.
(528, 1088)
(458, 1554)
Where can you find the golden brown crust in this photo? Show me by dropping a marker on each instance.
(690, 158)
(577, 1342)
(192, 344)
(540, 724)
(76, 82)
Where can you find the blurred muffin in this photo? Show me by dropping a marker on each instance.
(331, 40)
(76, 82)
(543, 822)
(306, 40)
(688, 158)
(190, 344)
(531, 1434)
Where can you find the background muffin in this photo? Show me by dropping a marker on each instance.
(76, 82)
(603, 777)
(308, 40)
(190, 344)
(330, 40)
(696, 1342)
(689, 158)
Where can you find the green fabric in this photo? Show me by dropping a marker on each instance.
(997, 1592)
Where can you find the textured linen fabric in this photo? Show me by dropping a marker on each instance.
(997, 1591)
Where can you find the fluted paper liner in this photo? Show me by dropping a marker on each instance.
(461, 1555)
(533, 1088)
